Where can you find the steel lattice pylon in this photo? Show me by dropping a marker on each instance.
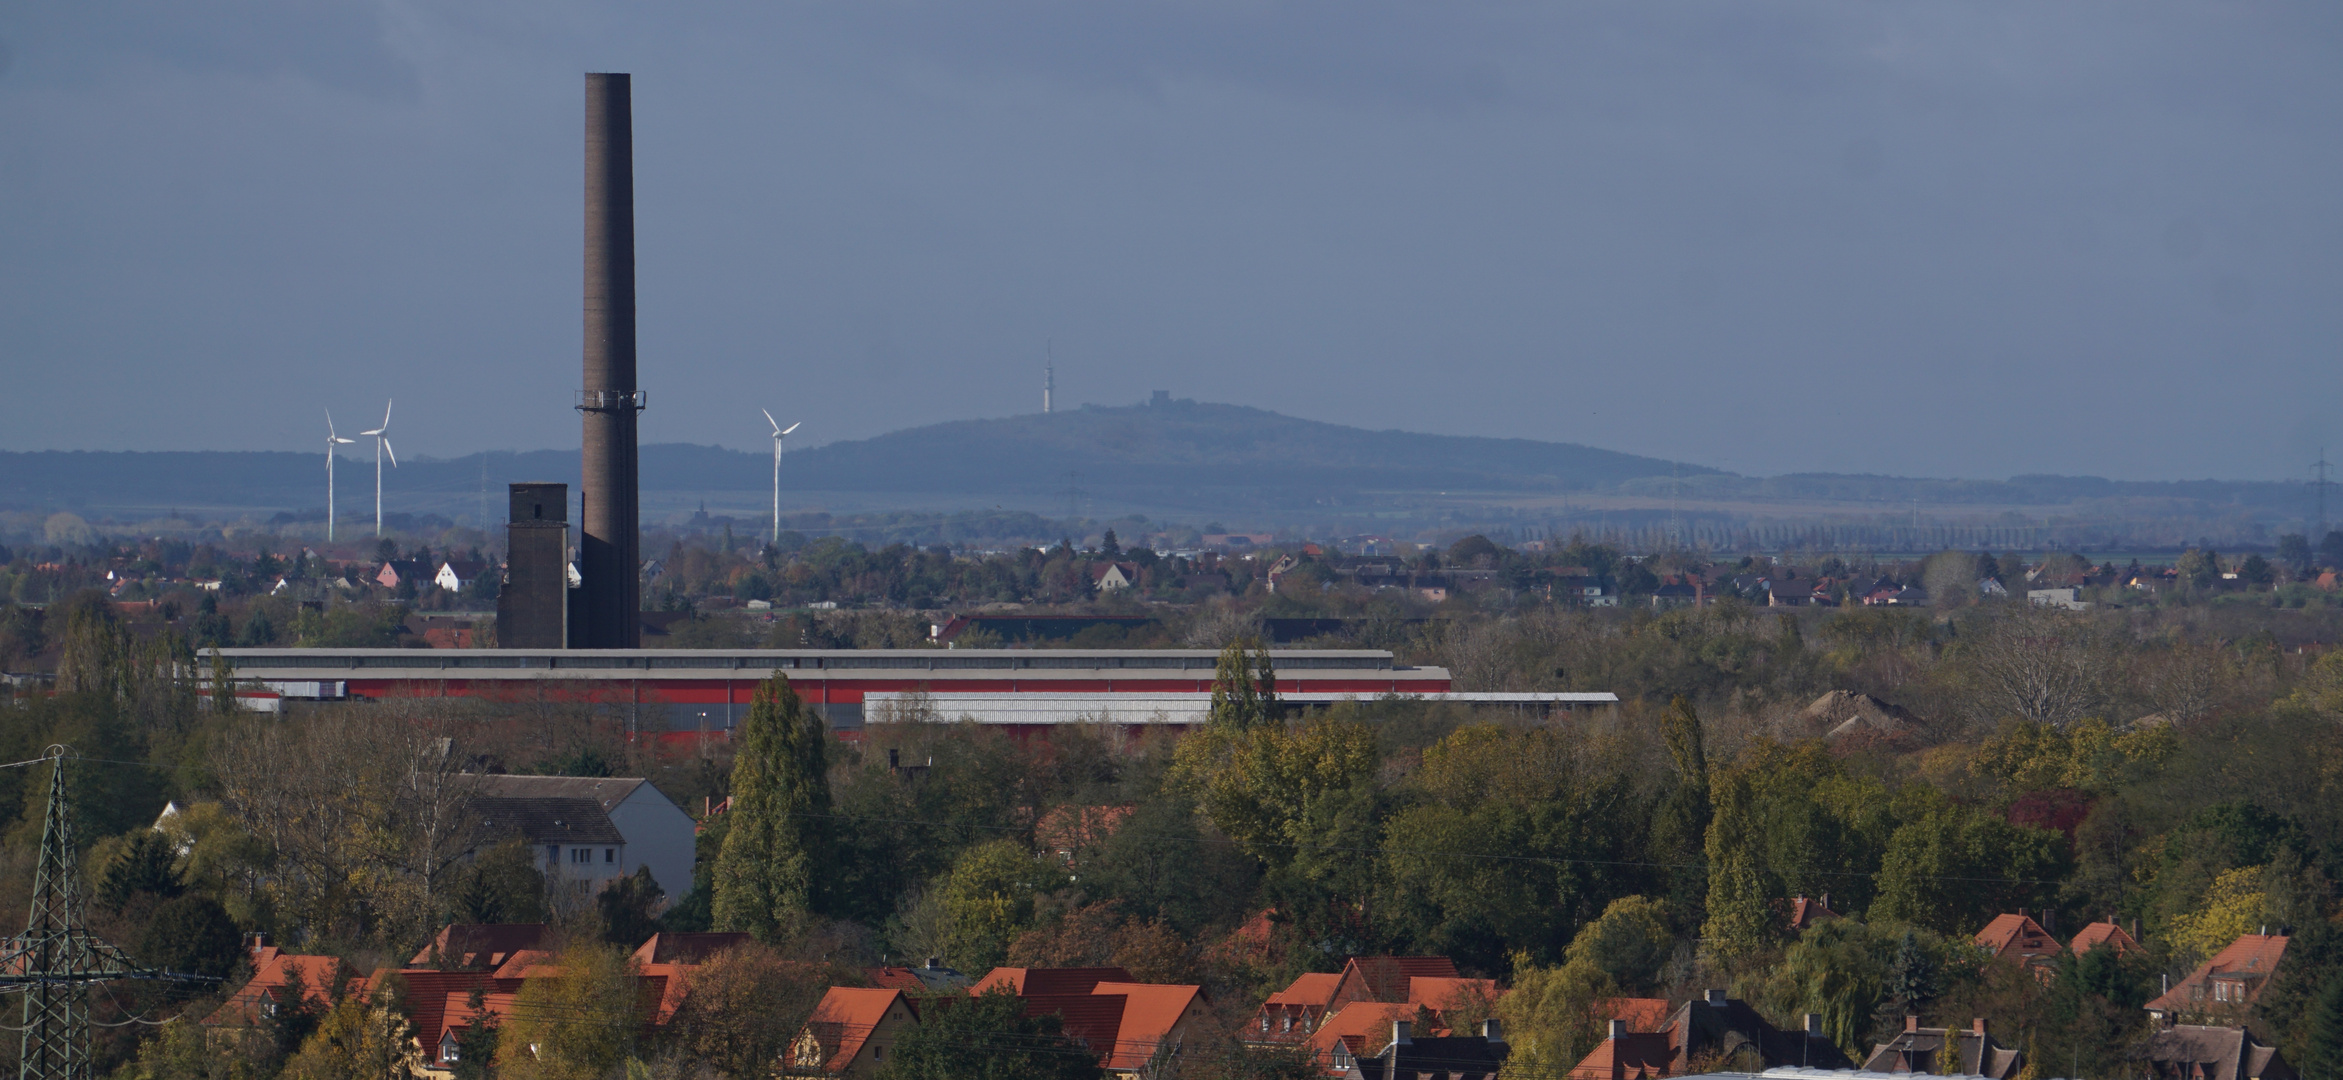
(56, 959)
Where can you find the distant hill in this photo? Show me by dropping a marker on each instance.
(1184, 452)
(1170, 459)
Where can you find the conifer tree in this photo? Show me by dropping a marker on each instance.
(764, 875)
(2322, 1051)
(1244, 685)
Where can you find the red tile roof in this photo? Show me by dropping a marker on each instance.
(1362, 1028)
(321, 977)
(845, 1019)
(478, 945)
(1151, 1014)
(1439, 992)
(2016, 937)
(1093, 1019)
(1633, 1056)
(1641, 1014)
(1030, 981)
(2230, 981)
(673, 948)
(1385, 978)
(1314, 988)
(2099, 933)
(433, 995)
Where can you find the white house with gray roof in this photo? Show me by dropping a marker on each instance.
(592, 829)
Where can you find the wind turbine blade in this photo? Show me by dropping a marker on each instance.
(769, 419)
(342, 440)
(376, 431)
(394, 454)
(794, 427)
(329, 424)
(386, 408)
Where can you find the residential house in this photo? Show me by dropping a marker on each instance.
(631, 822)
(672, 947)
(2227, 984)
(1301, 1009)
(1805, 911)
(1675, 592)
(851, 1031)
(456, 575)
(1114, 576)
(2068, 597)
(275, 974)
(929, 978)
(477, 946)
(397, 572)
(1717, 1027)
(1408, 1056)
(1626, 1055)
(2191, 1052)
(1127, 1023)
(1945, 1050)
(1073, 832)
(2104, 933)
(2019, 939)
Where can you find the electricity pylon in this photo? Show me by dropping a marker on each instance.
(55, 961)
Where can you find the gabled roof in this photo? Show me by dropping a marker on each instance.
(2103, 933)
(1437, 992)
(1150, 1012)
(547, 820)
(1356, 1027)
(686, 948)
(1314, 988)
(917, 980)
(437, 1000)
(321, 977)
(2249, 961)
(1030, 981)
(608, 791)
(478, 945)
(1641, 1014)
(2193, 1052)
(1632, 1056)
(1095, 1020)
(2016, 937)
(1385, 978)
(845, 1018)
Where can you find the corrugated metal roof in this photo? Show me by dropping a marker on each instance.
(1147, 707)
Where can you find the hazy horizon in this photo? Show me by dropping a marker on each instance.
(1974, 242)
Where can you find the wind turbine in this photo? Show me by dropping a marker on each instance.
(777, 434)
(381, 446)
(331, 440)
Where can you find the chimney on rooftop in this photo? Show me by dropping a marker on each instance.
(1492, 1030)
(1715, 998)
(1399, 1030)
(1814, 1025)
(1618, 1029)
(1911, 1022)
(933, 963)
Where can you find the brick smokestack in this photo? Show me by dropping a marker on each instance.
(610, 535)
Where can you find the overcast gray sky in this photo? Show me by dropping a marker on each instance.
(1970, 239)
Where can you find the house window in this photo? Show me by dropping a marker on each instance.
(609, 854)
(553, 853)
(1264, 1021)
(448, 1048)
(581, 855)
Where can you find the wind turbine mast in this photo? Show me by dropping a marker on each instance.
(778, 433)
(1049, 375)
(381, 446)
(331, 441)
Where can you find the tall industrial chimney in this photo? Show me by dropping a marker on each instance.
(610, 537)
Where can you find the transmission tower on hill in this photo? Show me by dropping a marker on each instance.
(56, 960)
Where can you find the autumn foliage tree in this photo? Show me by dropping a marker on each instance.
(778, 828)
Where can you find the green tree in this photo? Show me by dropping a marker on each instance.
(1679, 835)
(1256, 784)
(2322, 1048)
(576, 1027)
(1244, 686)
(988, 1037)
(764, 878)
(1553, 1016)
(192, 935)
(1956, 867)
(1630, 943)
(145, 864)
(988, 900)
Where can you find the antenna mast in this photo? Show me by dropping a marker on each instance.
(1049, 376)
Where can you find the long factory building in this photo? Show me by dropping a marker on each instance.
(692, 691)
